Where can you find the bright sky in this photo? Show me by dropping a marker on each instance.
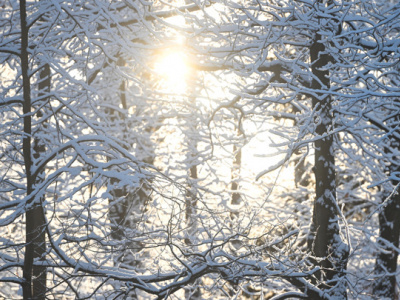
(172, 67)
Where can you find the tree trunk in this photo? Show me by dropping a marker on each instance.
(325, 241)
(127, 214)
(386, 261)
(191, 292)
(191, 196)
(237, 163)
(31, 288)
(34, 286)
(30, 213)
(39, 272)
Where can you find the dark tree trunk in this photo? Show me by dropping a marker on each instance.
(325, 242)
(32, 213)
(39, 272)
(34, 285)
(386, 261)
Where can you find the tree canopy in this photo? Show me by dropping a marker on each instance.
(199, 149)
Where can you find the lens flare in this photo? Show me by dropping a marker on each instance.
(172, 70)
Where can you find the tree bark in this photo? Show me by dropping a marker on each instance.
(325, 241)
(38, 271)
(30, 221)
(31, 213)
(34, 285)
(386, 261)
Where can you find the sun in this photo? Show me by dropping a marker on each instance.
(172, 70)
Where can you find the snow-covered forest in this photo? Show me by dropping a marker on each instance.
(205, 149)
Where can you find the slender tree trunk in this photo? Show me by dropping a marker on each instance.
(30, 221)
(126, 214)
(192, 292)
(325, 241)
(237, 163)
(191, 192)
(191, 196)
(34, 285)
(191, 203)
(119, 212)
(39, 272)
(31, 213)
(386, 261)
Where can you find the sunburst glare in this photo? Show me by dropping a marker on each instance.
(172, 69)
